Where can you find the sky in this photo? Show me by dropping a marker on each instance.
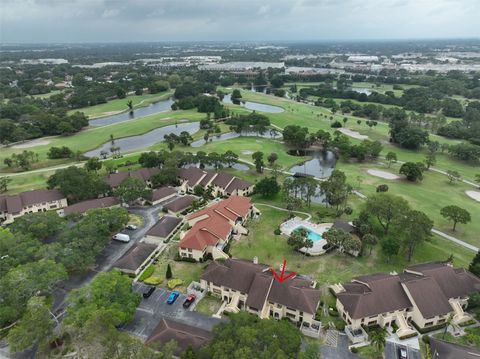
(53, 21)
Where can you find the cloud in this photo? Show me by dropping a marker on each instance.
(156, 20)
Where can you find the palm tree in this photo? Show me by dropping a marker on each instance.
(448, 322)
(377, 338)
(130, 105)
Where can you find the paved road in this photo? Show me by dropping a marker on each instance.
(455, 240)
(153, 309)
(392, 351)
(340, 351)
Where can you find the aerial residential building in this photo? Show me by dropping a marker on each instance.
(162, 194)
(424, 295)
(245, 285)
(213, 227)
(145, 174)
(163, 229)
(84, 206)
(136, 259)
(39, 200)
(180, 204)
(222, 183)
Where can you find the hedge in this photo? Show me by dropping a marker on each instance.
(172, 283)
(153, 280)
(147, 273)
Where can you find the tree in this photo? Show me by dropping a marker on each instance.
(236, 95)
(131, 189)
(455, 214)
(77, 184)
(477, 178)
(337, 238)
(109, 292)
(230, 158)
(4, 181)
(336, 189)
(430, 160)
(25, 281)
(414, 227)
(474, 266)
(34, 328)
(390, 247)
(312, 351)
(453, 176)
(413, 171)
(386, 208)
(93, 164)
(169, 274)
(247, 336)
(16, 249)
(377, 338)
(391, 157)
(40, 225)
(272, 157)
(258, 160)
(297, 239)
(382, 188)
(267, 187)
(370, 241)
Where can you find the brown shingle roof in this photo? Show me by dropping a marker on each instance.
(222, 179)
(185, 335)
(15, 203)
(134, 258)
(84, 206)
(180, 204)
(441, 349)
(162, 192)
(428, 297)
(343, 225)
(251, 278)
(144, 174)
(238, 184)
(191, 174)
(164, 226)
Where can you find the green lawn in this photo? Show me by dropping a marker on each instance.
(94, 137)
(120, 105)
(332, 267)
(47, 95)
(429, 196)
(208, 305)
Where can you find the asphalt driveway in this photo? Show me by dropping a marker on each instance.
(153, 309)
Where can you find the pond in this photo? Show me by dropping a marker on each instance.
(148, 139)
(261, 107)
(157, 107)
(230, 135)
(364, 90)
(320, 166)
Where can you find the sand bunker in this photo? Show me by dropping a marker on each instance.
(383, 174)
(33, 143)
(247, 152)
(353, 134)
(475, 195)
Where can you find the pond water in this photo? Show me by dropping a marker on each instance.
(157, 107)
(148, 139)
(230, 135)
(320, 166)
(364, 90)
(255, 105)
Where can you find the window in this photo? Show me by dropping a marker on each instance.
(428, 324)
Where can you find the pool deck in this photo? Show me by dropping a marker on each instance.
(289, 226)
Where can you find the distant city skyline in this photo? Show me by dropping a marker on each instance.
(74, 21)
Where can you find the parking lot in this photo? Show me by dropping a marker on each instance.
(392, 351)
(153, 309)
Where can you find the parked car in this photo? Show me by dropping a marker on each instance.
(190, 299)
(148, 292)
(122, 237)
(131, 227)
(172, 297)
(402, 353)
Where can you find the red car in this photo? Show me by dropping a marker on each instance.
(190, 299)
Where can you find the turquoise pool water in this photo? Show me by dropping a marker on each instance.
(314, 236)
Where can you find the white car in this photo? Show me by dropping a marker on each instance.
(131, 227)
(122, 237)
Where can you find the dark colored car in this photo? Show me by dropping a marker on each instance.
(172, 297)
(190, 299)
(149, 292)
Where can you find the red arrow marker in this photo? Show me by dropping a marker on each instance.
(282, 276)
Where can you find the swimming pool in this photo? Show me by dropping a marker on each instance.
(314, 236)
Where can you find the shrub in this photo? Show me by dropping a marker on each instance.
(153, 280)
(172, 283)
(382, 188)
(340, 325)
(426, 339)
(336, 124)
(354, 350)
(348, 210)
(147, 273)
(277, 231)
